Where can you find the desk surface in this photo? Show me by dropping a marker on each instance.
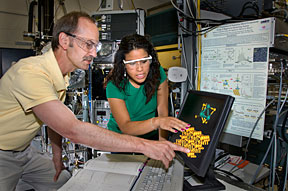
(105, 174)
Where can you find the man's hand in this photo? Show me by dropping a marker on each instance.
(59, 166)
(162, 150)
(57, 116)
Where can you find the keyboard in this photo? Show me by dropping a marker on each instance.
(154, 177)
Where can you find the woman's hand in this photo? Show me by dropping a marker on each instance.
(170, 124)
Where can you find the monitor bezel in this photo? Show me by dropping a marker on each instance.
(210, 153)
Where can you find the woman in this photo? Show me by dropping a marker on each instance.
(137, 89)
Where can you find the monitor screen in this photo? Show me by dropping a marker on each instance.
(207, 113)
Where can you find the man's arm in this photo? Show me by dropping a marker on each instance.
(59, 118)
(56, 143)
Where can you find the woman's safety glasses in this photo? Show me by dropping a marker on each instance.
(141, 61)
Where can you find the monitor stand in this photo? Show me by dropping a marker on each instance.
(209, 182)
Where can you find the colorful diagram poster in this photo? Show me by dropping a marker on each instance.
(235, 62)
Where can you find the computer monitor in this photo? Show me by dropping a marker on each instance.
(207, 113)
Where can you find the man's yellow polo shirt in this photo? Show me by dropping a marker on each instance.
(28, 83)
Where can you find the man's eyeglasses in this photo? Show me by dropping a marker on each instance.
(142, 61)
(86, 45)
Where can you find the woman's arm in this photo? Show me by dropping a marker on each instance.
(162, 106)
(121, 115)
(61, 120)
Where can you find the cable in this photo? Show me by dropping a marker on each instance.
(189, 8)
(229, 174)
(120, 5)
(79, 5)
(172, 104)
(282, 10)
(286, 169)
(283, 128)
(184, 14)
(284, 101)
(201, 32)
(261, 164)
(60, 3)
(27, 5)
(196, 21)
(177, 8)
(250, 136)
(273, 140)
(254, 7)
(191, 18)
(132, 1)
(215, 9)
(278, 178)
(185, 59)
(102, 1)
(275, 129)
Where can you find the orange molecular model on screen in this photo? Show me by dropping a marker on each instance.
(193, 140)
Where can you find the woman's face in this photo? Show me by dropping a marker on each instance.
(138, 70)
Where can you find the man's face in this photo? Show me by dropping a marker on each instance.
(83, 44)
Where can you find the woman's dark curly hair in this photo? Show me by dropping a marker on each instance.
(129, 43)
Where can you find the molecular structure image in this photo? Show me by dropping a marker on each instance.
(206, 113)
(193, 140)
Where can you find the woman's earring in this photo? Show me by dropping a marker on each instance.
(125, 73)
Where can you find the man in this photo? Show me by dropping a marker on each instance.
(32, 92)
